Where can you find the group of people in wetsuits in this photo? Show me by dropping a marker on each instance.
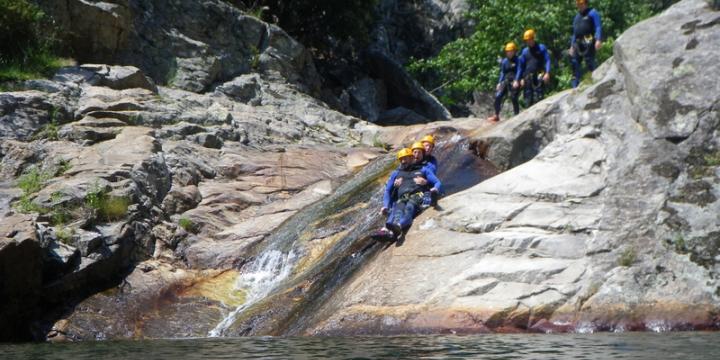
(530, 70)
(412, 187)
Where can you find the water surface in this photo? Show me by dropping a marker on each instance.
(679, 345)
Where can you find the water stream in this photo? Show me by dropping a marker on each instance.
(284, 289)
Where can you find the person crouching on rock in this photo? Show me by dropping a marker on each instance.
(403, 202)
(508, 82)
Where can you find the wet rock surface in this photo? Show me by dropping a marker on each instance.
(598, 224)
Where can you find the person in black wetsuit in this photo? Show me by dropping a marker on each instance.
(508, 82)
(534, 69)
(585, 40)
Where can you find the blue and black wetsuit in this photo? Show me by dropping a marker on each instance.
(429, 197)
(508, 71)
(405, 201)
(587, 28)
(534, 61)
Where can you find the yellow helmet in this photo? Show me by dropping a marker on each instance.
(428, 138)
(511, 46)
(403, 153)
(529, 35)
(417, 145)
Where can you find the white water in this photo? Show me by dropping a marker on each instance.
(263, 274)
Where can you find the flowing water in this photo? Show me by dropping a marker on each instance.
(681, 345)
(351, 213)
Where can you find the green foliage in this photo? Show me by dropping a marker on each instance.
(106, 207)
(30, 182)
(65, 235)
(187, 225)
(627, 257)
(712, 159)
(33, 180)
(472, 63)
(25, 43)
(63, 166)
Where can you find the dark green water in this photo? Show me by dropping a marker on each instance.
(681, 345)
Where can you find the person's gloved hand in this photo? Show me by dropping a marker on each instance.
(383, 211)
(598, 44)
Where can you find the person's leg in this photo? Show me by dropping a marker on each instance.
(590, 61)
(515, 98)
(499, 97)
(410, 210)
(528, 91)
(576, 62)
(540, 90)
(396, 217)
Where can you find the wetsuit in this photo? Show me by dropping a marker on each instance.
(408, 195)
(587, 28)
(508, 70)
(534, 61)
(429, 197)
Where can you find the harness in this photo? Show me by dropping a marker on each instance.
(416, 197)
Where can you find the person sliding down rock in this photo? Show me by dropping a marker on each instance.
(426, 162)
(534, 69)
(508, 83)
(585, 40)
(404, 202)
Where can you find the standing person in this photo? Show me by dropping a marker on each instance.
(413, 181)
(585, 40)
(534, 69)
(507, 81)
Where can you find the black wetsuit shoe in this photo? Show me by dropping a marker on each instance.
(395, 228)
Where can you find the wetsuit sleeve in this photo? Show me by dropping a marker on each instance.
(433, 180)
(521, 65)
(387, 195)
(546, 55)
(598, 24)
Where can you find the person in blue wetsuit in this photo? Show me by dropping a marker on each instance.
(585, 40)
(508, 83)
(429, 163)
(428, 142)
(534, 69)
(404, 202)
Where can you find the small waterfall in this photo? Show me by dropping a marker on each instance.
(262, 276)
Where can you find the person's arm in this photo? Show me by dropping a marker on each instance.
(502, 72)
(546, 55)
(521, 65)
(433, 180)
(387, 195)
(598, 24)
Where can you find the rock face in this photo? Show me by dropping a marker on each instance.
(119, 170)
(612, 224)
(192, 45)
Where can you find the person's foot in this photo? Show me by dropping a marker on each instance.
(494, 118)
(395, 228)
